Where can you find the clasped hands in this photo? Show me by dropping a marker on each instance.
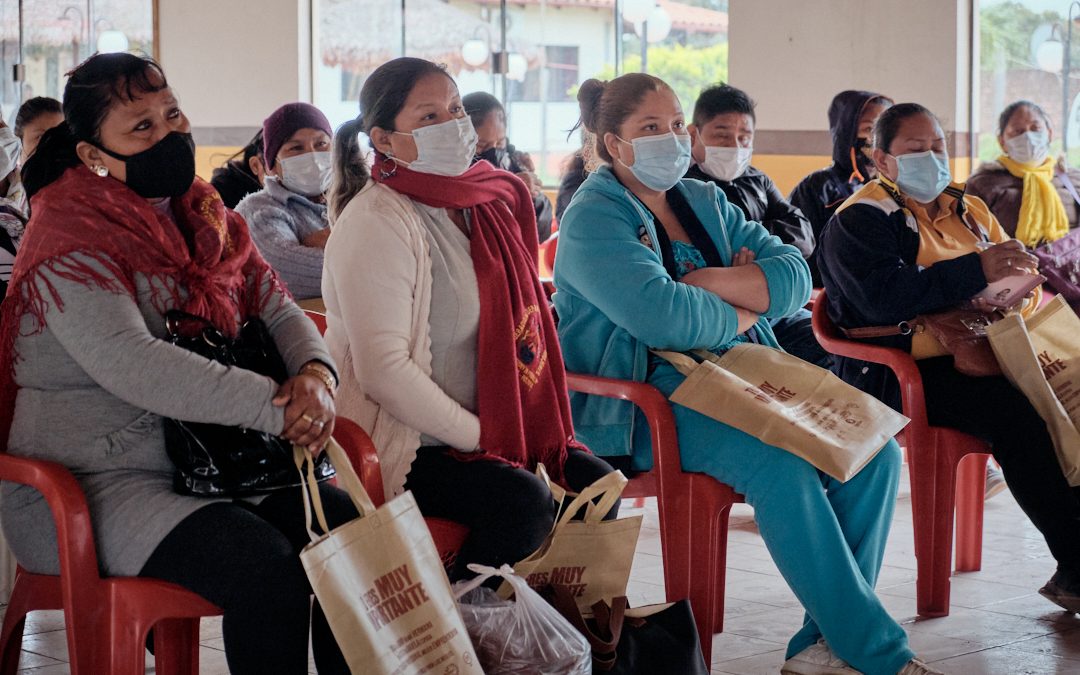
(309, 411)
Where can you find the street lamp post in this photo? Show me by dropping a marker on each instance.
(1066, 66)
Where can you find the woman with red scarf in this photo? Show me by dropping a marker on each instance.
(122, 232)
(447, 347)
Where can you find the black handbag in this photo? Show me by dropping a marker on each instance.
(652, 639)
(214, 460)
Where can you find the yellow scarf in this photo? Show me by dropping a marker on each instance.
(1042, 215)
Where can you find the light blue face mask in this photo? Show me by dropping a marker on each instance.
(660, 161)
(923, 175)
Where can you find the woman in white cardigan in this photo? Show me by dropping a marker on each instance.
(430, 274)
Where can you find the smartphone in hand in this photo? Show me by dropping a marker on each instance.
(1010, 291)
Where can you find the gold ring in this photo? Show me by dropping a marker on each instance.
(312, 420)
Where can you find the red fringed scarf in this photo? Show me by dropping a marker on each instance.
(521, 396)
(101, 218)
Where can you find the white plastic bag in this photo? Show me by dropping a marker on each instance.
(526, 636)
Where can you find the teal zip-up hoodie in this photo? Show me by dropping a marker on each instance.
(615, 300)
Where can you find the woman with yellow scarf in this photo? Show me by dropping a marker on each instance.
(1031, 196)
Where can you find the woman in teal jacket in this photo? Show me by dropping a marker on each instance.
(647, 260)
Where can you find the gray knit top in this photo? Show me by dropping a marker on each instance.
(94, 386)
(279, 220)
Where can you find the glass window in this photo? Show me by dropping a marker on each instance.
(1029, 50)
(683, 43)
(534, 58)
(60, 34)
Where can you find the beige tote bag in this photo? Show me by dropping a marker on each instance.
(381, 584)
(788, 403)
(591, 556)
(1042, 359)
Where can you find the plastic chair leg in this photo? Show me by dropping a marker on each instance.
(702, 572)
(720, 568)
(970, 498)
(933, 595)
(11, 634)
(176, 647)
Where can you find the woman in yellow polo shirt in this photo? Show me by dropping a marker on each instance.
(912, 242)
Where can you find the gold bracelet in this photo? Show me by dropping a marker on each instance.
(323, 373)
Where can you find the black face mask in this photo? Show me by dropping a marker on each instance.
(498, 157)
(166, 169)
(864, 161)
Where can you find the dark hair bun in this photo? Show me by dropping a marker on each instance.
(588, 96)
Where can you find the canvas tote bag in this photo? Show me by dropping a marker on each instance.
(788, 403)
(591, 556)
(381, 584)
(1042, 359)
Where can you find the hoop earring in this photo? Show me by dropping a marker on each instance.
(101, 170)
(383, 173)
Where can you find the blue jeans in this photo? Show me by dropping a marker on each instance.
(827, 538)
(796, 337)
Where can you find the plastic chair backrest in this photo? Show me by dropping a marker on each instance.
(361, 451)
(317, 318)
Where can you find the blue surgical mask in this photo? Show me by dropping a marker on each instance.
(923, 175)
(660, 161)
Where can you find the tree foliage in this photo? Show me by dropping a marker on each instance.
(1005, 30)
(687, 69)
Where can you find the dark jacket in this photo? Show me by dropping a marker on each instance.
(234, 181)
(573, 176)
(761, 201)
(508, 161)
(1003, 193)
(819, 194)
(867, 256)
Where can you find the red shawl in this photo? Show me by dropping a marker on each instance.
(102, 219)
(521, 396)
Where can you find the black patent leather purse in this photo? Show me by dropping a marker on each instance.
(214, 460)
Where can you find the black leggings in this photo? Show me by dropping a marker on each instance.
(993, 410)
(245, 559)
(508, 511)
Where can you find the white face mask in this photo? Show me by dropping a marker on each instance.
(307, 174)
(444, 149)
(10, 150)
(1030, 147)
(726, 164)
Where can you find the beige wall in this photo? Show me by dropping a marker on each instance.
(793, 57)
(232, 62)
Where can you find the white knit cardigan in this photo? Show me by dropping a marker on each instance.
(377, 289)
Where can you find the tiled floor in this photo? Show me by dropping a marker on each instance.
(998, 623)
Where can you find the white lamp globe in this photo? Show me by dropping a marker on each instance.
(659, 25)
(516, 67)
(110, 41)
(474, 52)
(1050, 56)
(636, 11)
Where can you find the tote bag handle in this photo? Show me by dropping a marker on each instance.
(310, 489)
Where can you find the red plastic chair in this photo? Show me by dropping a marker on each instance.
(948, 471)
(107, 618)
(694, 508)
(448, 535)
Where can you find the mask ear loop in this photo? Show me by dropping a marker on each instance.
(855, 173)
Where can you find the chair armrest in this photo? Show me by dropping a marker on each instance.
(362, 454)
(898, 361)
(653, 404)
(71, 515)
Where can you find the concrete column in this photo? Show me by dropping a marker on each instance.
(793, 57)
(232, 63)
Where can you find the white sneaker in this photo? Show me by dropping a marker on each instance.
(995, 482)
(817, 659)
(917, 667)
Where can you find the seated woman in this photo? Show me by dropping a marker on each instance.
(122, 233)
(489, 120)
(1029, 193)
(648, 259)
(448, 351)
(242, 174)
(908, 243)
(288, 216)
(36, 116)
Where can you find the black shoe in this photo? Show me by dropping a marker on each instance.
(1062, 593)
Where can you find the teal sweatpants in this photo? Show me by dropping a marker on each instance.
(827, 538)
